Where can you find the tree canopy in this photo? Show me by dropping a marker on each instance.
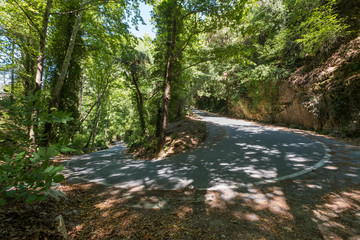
(77, 78)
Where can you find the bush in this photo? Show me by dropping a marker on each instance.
(25, 168)
(321, 30)
(28, 175)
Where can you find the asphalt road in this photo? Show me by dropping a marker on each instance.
(236, 153)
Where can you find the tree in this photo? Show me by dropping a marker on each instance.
(51, 57)
(178, 24)
(134, 62)
(40, 60)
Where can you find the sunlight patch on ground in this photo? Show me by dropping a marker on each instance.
(252, 217)
(256, 173)
(294, 158)
(344, 205)
(313, 186)
(182, 211)
(274, 201)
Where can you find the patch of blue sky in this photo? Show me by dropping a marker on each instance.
(144, 29)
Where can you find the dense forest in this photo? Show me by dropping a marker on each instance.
(76, 77)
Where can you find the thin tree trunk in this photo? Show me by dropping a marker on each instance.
(96, 124)
(140, 103)
(94, 127)
(97, 101)
(79, 110)
(92, 132)
(12, 71)
(41, 57)
(105, 131)
(27, 67)
(25, 76)
(168, 79)
(88, 141)
(66, 63)
(80, 98)
(107, 122)
(60, 83)
(40, 63)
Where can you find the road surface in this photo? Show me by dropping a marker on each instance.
(236, 153)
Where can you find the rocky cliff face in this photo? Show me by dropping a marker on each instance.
(325, 98)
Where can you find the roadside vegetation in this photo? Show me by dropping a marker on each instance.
(76, 78)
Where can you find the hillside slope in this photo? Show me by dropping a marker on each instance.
(324, 98)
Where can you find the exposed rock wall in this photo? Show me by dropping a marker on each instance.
(324, 98)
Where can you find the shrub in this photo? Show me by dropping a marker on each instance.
(321, 30)
(26, 171)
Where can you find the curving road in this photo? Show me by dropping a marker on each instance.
(236, 153)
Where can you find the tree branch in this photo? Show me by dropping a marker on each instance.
(195, 64)
(98, 100)
(81, 9)
(187, 40)
(28, 17)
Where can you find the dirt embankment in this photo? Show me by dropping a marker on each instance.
(325, 98)
(181, 136)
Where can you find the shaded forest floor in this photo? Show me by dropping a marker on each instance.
(181, 136)
(93, 212)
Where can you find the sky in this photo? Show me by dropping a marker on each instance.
(148, 28)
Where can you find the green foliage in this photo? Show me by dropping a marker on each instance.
(25, 168)
(27, 175)
(251, 59)
(16, 118)
(220, 52)
(321, 30)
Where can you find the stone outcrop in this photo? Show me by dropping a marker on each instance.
(324, 98)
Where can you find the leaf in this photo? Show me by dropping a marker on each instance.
(2, 202)
(48, 183)
(49, 169)
(11, 193)
(59, 178)
(67, 149)
(40, 198)
(19, 156)
(30, 198)
(51, 151)
(36, 155)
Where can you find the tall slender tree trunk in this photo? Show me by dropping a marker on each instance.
(69, 51)
(80, 98)
(106, 130)
(96, 124)
(27, 72)
(139, 102)
(64, 69)
(12, 71)
(94, 129)
(168, 79)
(27, 69)
(107, 122)
(40, 64)
(41, 57)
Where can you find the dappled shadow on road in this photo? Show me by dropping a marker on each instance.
(323, 204)
(244, 155)
(215, 191)
(232, 155)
